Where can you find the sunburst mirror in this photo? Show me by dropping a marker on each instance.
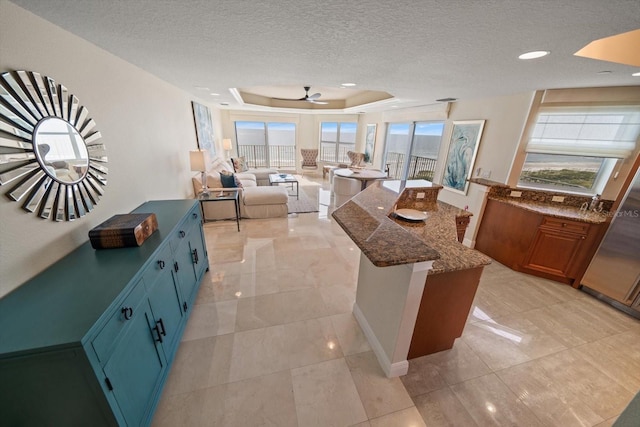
(51, 157)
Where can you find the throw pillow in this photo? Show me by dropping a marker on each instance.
(228, 179)
(239, 164)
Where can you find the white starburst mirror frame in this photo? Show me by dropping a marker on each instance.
(50, 155)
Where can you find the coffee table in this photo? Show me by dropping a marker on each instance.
(284, 178)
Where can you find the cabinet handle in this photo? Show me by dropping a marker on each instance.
(161, 265)
(157, 329)
(175, 266)
(181, 233)
(163, 330)
(127, 312)
(194, 256)
(564, 224)
(582, 237)
(195, 215)
(185, 306)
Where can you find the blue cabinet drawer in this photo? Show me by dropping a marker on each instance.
(161, 263)
(119, 321)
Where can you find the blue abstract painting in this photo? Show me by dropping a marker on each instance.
(463, 147)
(204, 128)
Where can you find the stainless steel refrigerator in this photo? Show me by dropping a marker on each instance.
(614, 272)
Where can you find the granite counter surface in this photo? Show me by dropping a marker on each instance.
(369, 221)
(557, 211)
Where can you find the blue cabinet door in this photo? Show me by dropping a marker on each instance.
(167, 310)
(135, 368)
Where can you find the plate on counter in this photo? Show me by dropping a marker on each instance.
(411, 214)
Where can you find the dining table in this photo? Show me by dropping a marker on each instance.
(361, 174)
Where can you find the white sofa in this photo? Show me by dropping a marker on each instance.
(256, 201)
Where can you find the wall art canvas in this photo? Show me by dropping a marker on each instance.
(370, 143)
(463, 148)
(204, 128)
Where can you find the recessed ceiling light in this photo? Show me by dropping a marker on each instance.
(214, 94)
(636, 74)
(534, 54)
(348, 84)
(604, 72)
(202, 88)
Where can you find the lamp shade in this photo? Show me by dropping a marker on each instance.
(226, 144)
(199, 160)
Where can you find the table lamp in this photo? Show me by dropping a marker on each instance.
(199, 161)
(226, 145)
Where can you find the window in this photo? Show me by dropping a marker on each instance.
(574, 149)
(411, 149)
(270, 145)
(336, 138)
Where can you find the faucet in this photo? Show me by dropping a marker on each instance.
(594, 202)
(584, 207)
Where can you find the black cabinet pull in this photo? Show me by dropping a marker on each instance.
(194, 255)
(163, 331)
(195, 215)
(161, 264)
(157, 329)
(182, 233)
(127, 312)
(185, 306)
(175, 266)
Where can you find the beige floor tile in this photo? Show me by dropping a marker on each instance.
(565, 389)
(486, 306)
(325, 395)
(447, 367)
(441, 408)
(352, 339)
(311, 341)
(279, 308)
(338, 299)
(607, 423)
(491, 403)
(259, 352)
(262, 401)
(211, 319)
(509, 340)
(200, 364)
(409, 417)
(379, 395)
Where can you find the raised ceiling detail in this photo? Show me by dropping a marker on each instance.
(622, 49)
(293, 96)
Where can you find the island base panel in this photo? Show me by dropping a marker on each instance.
(445, 305)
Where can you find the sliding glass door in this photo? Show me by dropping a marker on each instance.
(411, 149)
(269, 145)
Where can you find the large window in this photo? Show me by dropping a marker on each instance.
(270, 145)
(574, 149)
(336, 138)
(411, 149)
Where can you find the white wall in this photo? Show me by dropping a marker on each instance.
(146, 125)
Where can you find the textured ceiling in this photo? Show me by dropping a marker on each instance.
(416, 50)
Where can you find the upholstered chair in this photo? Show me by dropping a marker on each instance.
(309, 159)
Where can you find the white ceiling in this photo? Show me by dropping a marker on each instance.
(416, 50)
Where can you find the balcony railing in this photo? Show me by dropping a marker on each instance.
(272, 156)
(328, 152)
(419, 167)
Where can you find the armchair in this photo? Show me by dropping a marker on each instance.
(309, 158)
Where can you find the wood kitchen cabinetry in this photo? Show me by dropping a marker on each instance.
(89, 341)
(555, 248)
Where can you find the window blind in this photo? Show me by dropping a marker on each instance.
(610, 132)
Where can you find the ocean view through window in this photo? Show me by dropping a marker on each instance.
(267, 144)
(336, 138)
(411, 149)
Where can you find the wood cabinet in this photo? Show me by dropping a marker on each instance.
(89, 341)
(555, 248)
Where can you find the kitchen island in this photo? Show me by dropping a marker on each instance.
(416, 281)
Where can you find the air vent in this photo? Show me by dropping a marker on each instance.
(446, 99)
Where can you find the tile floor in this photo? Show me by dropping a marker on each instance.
(271, 341)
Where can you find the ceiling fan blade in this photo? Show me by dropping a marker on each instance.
(313, 101)
(314, 96)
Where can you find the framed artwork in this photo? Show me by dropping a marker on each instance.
(463, 148)
(204, 128)
(370, 143)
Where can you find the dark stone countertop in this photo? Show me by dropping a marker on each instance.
(555, 210)
(386, 240)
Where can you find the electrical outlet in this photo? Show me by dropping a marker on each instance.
(515, 193)
(420, 196)
(558, 199)
(486, 174)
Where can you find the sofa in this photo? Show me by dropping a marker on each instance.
(256, 199)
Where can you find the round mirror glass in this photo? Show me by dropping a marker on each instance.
(61, 150)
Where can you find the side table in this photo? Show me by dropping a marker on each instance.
(219, 196)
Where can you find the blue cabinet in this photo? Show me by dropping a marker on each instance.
(89, 341)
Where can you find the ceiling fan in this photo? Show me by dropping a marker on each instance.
(308, 98)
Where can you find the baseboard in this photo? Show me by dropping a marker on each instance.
(390, 369)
